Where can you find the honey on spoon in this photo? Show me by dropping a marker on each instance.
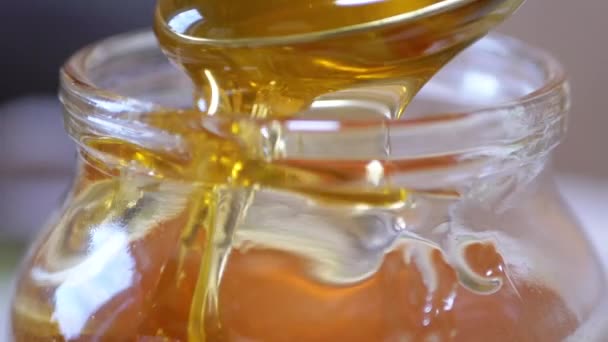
(275, 58)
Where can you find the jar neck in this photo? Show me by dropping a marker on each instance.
(447, 155)
(429, 152)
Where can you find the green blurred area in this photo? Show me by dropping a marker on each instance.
(10, 254)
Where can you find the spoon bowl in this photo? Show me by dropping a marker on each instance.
(275, 59)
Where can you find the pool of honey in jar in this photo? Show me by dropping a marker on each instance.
(268, 292)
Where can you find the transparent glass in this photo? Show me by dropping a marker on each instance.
(441, 226)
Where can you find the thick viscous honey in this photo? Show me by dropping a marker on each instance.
(277, 58)
(220, 244)
(273, 290)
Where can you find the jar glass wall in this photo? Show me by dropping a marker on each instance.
(444, 225)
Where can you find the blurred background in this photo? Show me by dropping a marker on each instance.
(36, 158)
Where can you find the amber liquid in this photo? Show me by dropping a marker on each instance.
(267, 294)
(275, 58)
(182, 277)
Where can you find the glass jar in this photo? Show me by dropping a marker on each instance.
(442, 226)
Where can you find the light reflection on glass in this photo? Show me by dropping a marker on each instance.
(182, 22)
(482, 84)
(313, 125)
(84, 288)
(355, 2)
(362, 106)
(375, 172)
(214, 103)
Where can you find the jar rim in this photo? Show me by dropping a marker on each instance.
(520, 130)
(75, 77)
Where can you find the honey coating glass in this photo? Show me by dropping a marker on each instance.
(444, 225)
